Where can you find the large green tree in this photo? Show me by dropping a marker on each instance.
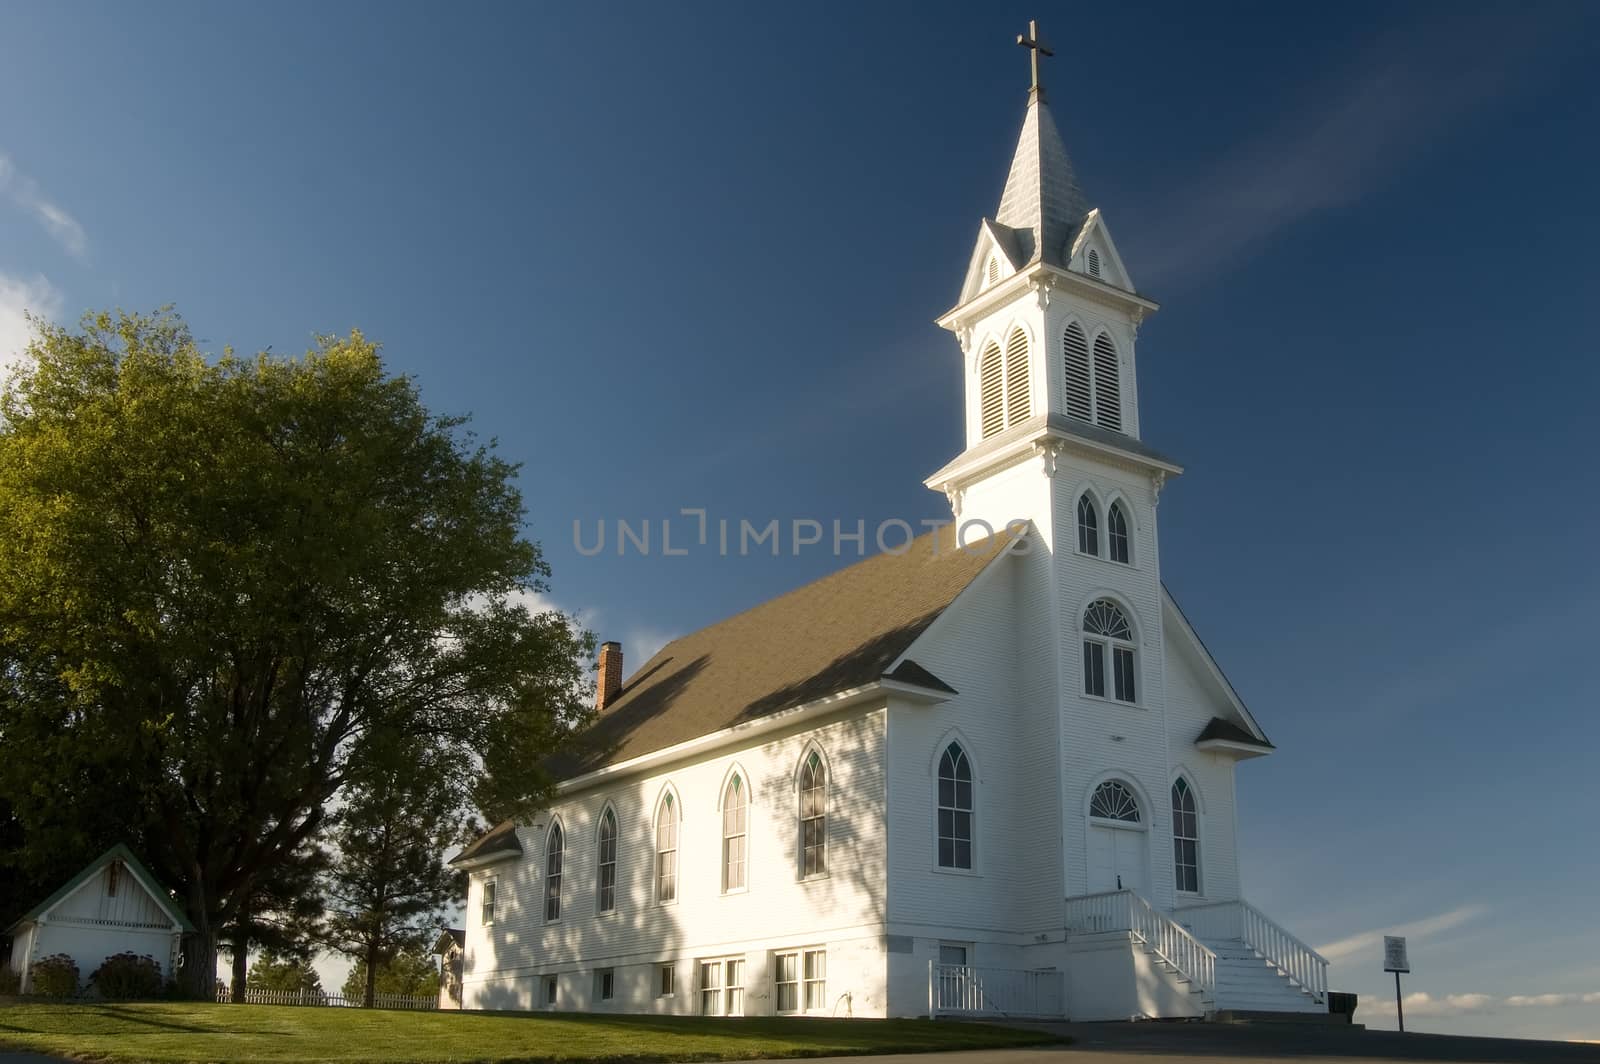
(218, 575)
(408, 974)
(387, 886)
(283, 915)
(285, 975)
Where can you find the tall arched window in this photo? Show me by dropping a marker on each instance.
(1107, 392)
(554, 853)
(1117, 533)
(606, 863)
(1088, 526)
(1114, 800)
(813, 816)
(1185, 837)
(991, 391)
(955, 808)
(1107, 634)
(667, 849)
(1076, 347)
(1017, 402)
(734, 834)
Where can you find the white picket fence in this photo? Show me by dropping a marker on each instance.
(319, 999)
(962, 990)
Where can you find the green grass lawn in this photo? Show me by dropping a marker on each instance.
(195, 1033)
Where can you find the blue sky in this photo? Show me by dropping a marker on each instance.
(688, 256)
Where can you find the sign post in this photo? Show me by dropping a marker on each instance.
(1394, 960)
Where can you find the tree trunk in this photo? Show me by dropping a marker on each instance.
(372, 973)
(241, 962)
(200, 948)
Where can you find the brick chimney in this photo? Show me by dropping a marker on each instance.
(609, 684)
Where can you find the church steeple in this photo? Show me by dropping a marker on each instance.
(1042, 204)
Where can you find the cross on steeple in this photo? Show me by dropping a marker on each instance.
(1031, 42)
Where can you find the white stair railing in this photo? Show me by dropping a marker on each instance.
(1243, 921)
(1125, 910)
(963, 990)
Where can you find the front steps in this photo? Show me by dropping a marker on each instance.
(1247, 985)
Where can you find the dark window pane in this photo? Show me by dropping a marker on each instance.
(963, 854)
(963, 826)
(947, 791)
(947, 853)
(964, 795)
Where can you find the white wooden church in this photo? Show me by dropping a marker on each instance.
(993, 776)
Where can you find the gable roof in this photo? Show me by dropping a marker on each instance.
(498, 843)
(119, 852)
(1243, 721)
(838, 633)
(1228, 731)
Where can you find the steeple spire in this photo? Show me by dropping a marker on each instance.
(1042, 200)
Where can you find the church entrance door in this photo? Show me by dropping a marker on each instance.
(1119, 858)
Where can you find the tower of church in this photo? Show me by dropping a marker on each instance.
(1048, 320)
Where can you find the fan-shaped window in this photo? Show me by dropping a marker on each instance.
(955, 808)
(992, 273)
(606, 863)
(1076, 346)
(1107, 635)
(1088, 526)
(1094, 263)
(991, 391)
(813, 816)
(1117, 533)
(1107, 392)
(734, 835)
(1114, 800)
(1185, 837)
(554, 853)
(667, 849)
(1017, 403)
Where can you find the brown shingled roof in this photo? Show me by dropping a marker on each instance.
(839, 632)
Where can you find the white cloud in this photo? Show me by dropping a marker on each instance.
(1425, 1004)
(1372, 941)
(24, 192)
(639, 645)
(1546, 1001)
(17, 296)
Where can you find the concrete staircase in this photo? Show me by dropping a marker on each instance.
(1246, 983)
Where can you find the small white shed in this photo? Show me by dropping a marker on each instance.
(113, 906)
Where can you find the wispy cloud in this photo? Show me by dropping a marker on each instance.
(18, 296)
(1372, 941)
(23, 191)
(639, 644)
(1407, 92)
(1425, 1004)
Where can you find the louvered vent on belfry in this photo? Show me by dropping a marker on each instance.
(991, 401)
(1017, 405)
(1094, 263)
(1107, 394)
(1076, 346)
(994, 269)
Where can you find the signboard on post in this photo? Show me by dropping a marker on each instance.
(1394, 954)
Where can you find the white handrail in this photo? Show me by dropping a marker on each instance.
(1239, 919)
(963, 990)
(1126, 910)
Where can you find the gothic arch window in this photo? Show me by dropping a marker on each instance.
(735, 834)
(1094, 263)
(1088, 526)
(667, 849)
(606, 862)
(813, 815)
(1117, 533)
(1018, 405)
(1185, 837)
(955, 808)
(991, 391)
(1115, 800)
(1107, 392)
(1076, 347)
(554, 855)
(1108, 640)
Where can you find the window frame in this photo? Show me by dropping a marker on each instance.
(488, 895)
(1110, 656)
(605, 984)
(1117, 512)
(667, 816)
(739, 833)
(666, 980)
(726, 990)
(1088, 531)
(802, 983)
(813, 766)
(549, 992)
(555, 859)
(604, 883)
(970, 811)
(1194, 840)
